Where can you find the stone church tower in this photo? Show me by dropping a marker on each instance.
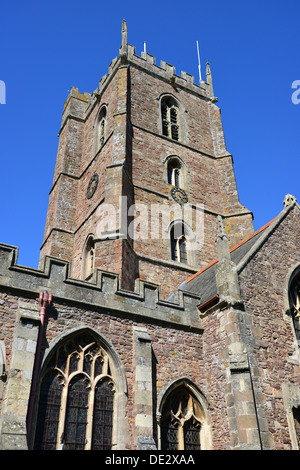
(145, 136)
(157, 319)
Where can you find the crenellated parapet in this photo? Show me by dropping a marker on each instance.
(146, 62)
(103, 291)
(165, 71)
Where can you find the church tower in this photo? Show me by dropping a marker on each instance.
(142, 173)
(155, 301)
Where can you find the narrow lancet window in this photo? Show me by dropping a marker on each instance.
(294, 298)
(101, 125)
(88, 258)
(174, 172)
(179, 243)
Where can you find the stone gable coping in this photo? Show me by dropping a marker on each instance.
(289, 203)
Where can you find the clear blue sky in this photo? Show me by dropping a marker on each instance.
(47, 47)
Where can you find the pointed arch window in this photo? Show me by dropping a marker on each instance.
(296, 416)
(101, 127)
(182, 248)
(294, 298)
(179, 243)
(76, 402)
(174, 173)
(170, 118)
(88, 258)
(181, 421)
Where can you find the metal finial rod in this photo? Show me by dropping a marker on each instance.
(199, 64)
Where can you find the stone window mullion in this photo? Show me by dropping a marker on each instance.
(62, 415)
(180, 436)
(89, 428)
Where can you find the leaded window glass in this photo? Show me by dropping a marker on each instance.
(169, 432)
(48, 416)
(191, 429)
(76, 414)
(103, 413)
(76, 398)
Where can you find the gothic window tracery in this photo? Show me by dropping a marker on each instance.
(76, 398)
(181, 421)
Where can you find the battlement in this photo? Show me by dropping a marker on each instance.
(74, 93)
(102, 291)
(165, 71)
(147, 62)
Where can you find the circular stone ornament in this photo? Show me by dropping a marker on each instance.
(92, 186)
